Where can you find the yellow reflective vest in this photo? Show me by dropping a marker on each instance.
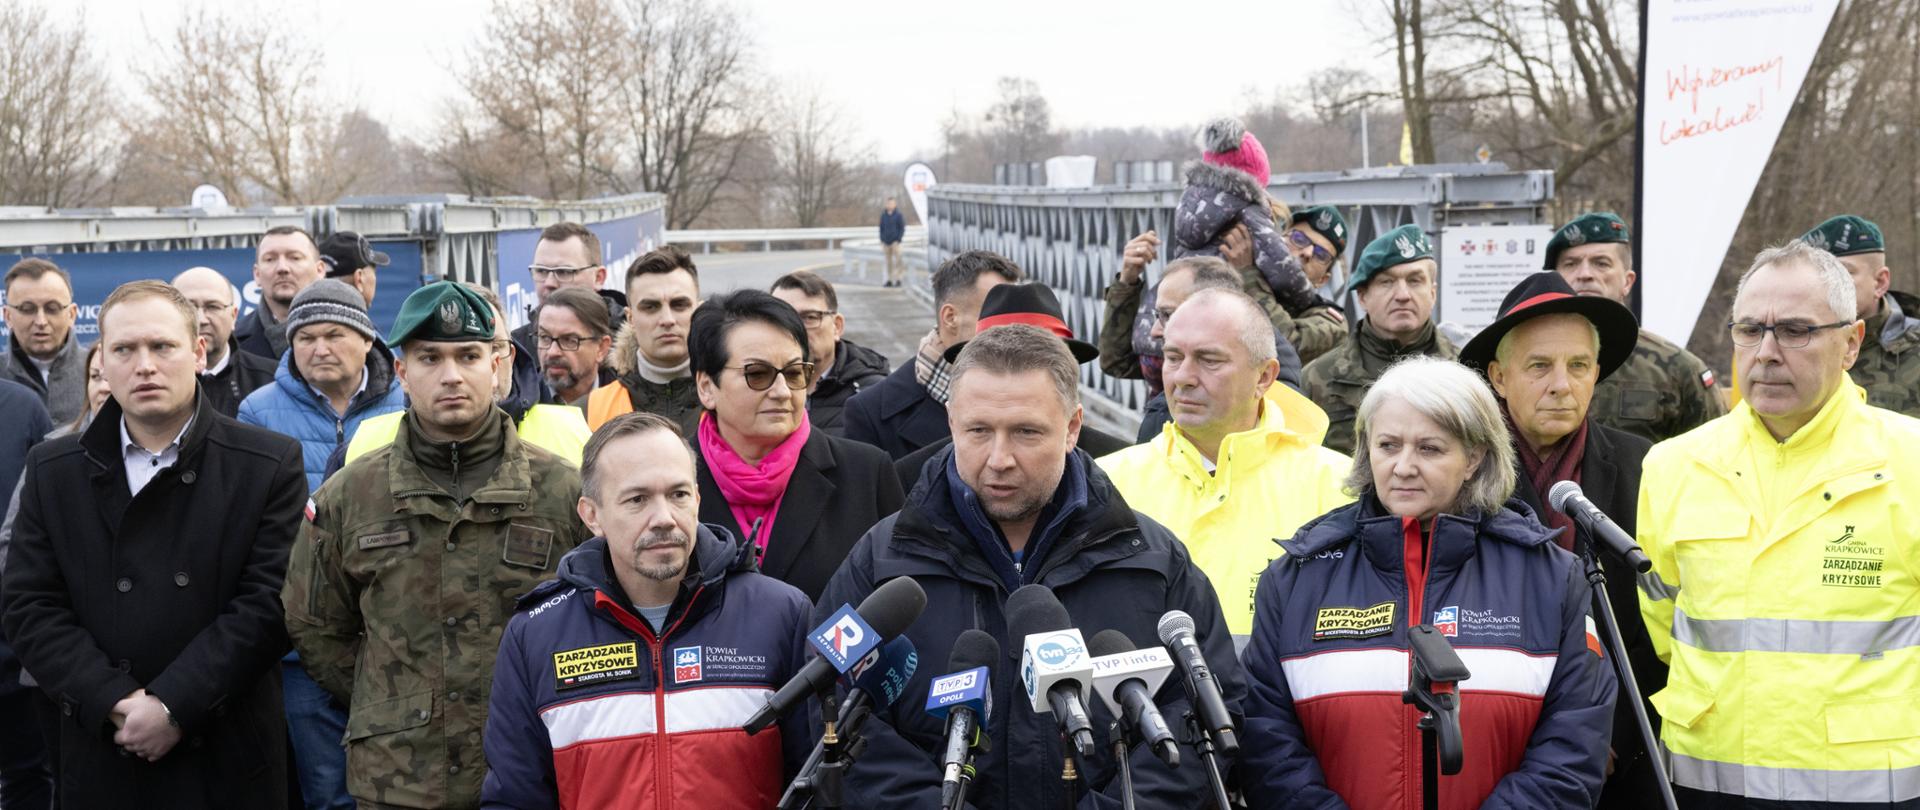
(1785, 594)
(1269, 481)
(558, 429)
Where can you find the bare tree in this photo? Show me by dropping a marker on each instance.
(817, 167)
(234, 104)
(1020, 123)
(52, 92)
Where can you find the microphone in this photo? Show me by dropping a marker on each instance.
(1176, 631)
(965, 698)
(1053, 662)
(1567, 498)
(844, 639)
(1127, 679)
(882, 676)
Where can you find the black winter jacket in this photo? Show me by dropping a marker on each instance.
(855, 367)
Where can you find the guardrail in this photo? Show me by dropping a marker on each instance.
(766, 238)
(1070, 239)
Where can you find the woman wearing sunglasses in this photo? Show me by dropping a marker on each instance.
(798, 496)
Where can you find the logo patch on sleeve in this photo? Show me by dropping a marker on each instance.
(686, 664)
(1353, 622)
(1706, 378)
(590, 665)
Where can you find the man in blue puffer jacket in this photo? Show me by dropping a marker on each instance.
(336, 373)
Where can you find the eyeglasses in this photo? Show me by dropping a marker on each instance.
(759, 376)
(1299, 238)
(542, 272)
(814, 317)
(31, 310)
(567, 343)
(1789, 335)
(211, 307)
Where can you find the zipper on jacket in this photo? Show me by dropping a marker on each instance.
(657, 643)
(1411, 540)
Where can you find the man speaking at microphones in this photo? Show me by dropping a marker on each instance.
(1012, 503)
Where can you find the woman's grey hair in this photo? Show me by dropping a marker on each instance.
(1833, 275)
(1460, 402)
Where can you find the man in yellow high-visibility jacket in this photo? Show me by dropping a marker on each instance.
(1785, 589)
(1240, 467)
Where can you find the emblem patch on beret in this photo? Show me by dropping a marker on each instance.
(1404, 246)
(1574, 235)
(449, 316)
(1324, 221)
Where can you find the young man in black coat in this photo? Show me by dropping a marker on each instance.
(1544, 356)
(143, 586)
(1012, 503)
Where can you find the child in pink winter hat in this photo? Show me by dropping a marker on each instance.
(1228, 187)
(1228, 144)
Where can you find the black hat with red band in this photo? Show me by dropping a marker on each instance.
(1546, 293)
(1030, 304)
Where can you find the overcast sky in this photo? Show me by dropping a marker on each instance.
(894, 69)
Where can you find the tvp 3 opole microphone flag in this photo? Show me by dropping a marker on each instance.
(1054, 665)
(964, 697)
(845, 638)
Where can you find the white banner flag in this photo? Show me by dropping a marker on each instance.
(1720, 77)
(919, 179)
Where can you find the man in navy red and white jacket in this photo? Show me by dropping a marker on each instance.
(625, 682)
(1326, 727)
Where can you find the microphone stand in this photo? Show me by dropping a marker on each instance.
(1629, 686)
(819, 782)
(1433, 690)
(1203, 742)
(1121, 744)
(1069, 775)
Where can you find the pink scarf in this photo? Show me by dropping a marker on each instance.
(752, 492)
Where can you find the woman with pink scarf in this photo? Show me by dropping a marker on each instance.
(799, 496)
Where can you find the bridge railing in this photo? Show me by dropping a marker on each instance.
(1070, 239)
(766, 238)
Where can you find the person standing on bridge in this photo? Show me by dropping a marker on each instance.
(284, 263)
(908, 410)
(650, 351)
(842, 367)
(893, 228)
(567, 257)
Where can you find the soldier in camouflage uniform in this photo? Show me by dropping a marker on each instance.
(1889, 364)
(1395, 278)
(407, 567)
(1663, 390)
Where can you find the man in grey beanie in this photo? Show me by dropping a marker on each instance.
(335, 375)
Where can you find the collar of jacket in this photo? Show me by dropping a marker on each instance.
(1897, 325)
(1069, 497)
(929, 529)
(645, 387)
(529, 388)
(101, 439)
(1455, 537)
(589, 567)
(70, 353)
(1371, 344)
(379, 369)
(1825, 448)
(511, 482)
(852, 365)
(1286, 417)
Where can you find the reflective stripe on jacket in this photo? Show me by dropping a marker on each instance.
(1785, 593)
(1269, 481)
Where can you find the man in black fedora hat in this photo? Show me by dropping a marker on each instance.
(1544, 355)
(349, 257)
(1034, 305)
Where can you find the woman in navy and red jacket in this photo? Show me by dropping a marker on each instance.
(1432, 539)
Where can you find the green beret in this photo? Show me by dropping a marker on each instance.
(1604, 226)
(444, 311)
(1846, 235)
(1326, 221)
(1404, 244)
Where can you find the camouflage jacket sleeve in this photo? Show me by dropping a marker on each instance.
(1699, 398)
(1116, 330)
(323, 615)
(1310, 334)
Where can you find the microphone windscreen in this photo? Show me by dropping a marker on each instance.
(893, 606)
(974, 648)
(1558, 495)
(1109, 642)
(1034, 609)
(1172, 623)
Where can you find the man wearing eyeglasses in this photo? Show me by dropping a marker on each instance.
(231, 374)
(42, 353)
(1663, 390)
(846, 366)
(1784, 580)
(573, 340)
(568, 256)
